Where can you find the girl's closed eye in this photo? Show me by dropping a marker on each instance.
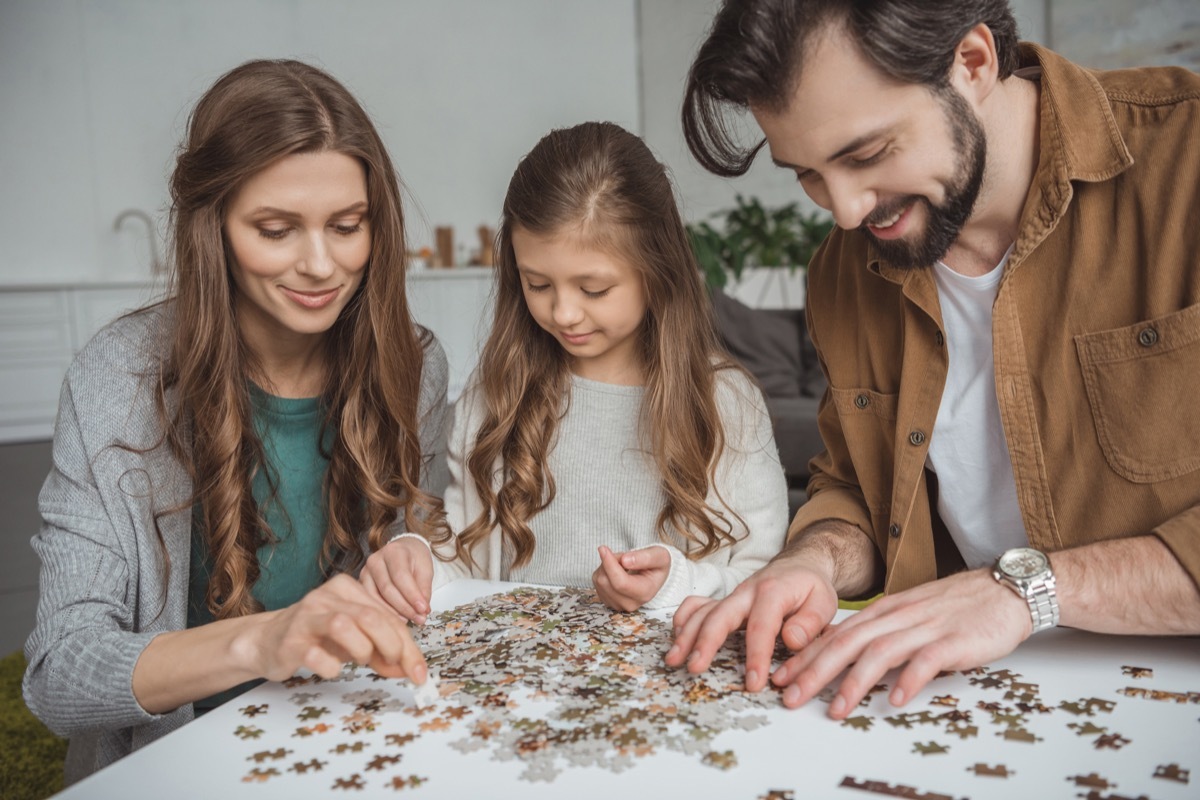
(596, 294)
(346, 229)
(537, 287)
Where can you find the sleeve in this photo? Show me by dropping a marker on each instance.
(1181, 535)
(749, 486)
(462, 501)
(84, 647)
(432, 412)
(833, 489)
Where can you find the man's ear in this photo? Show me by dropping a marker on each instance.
(975, 68)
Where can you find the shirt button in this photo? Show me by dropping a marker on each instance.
(862, 401)
(937, 337)
(916, 438)
(1148, 337)
(894, 531)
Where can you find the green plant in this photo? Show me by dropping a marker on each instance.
(755, 236)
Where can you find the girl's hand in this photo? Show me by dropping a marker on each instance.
(400, 574)
(337, 622)
(627, 581)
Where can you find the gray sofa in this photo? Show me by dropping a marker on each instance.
(773, 345)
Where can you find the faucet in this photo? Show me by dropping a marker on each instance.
(156, 265)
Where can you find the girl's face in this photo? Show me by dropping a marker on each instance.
(590, 301)
(300, 242)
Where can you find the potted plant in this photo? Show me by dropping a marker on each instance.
(755, 236)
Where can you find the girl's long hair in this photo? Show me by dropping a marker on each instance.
(601, 183)
(254, 115)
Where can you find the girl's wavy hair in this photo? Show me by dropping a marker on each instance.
(754, 53)
(602, 185)
(253, 116)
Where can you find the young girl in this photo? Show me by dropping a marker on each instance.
(222, 457)
(605, 418)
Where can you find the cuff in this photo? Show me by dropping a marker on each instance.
(678, 584)
(417, 536)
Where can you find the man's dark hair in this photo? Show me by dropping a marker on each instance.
(756, 48)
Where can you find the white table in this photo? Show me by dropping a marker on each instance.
(1077, 676)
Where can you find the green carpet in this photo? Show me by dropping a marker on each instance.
(31, 757)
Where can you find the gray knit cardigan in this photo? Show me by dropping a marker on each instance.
(108, 584)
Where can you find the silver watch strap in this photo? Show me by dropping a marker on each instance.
(1042, 598)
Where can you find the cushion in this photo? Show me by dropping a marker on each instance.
(766, 342)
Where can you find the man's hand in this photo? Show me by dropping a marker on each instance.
(790, 596)
(627, 581)
(958, 622)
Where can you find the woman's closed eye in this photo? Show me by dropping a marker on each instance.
(596, 294)
(273, 233)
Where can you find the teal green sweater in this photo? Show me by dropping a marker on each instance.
(290, 492)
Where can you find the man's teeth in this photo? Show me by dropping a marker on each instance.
(890, 221)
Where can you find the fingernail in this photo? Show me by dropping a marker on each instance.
(837, 706)
(751, 678)
(780, 676)
(791, 695)
(898, 697)
(674, 651)
(420, 674)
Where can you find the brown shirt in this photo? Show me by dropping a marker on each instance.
(1096, 336)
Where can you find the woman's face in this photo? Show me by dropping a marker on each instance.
(300, 242)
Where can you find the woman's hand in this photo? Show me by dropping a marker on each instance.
(400, 574)
(627, 581)
(337, 622)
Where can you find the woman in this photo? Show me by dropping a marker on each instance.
(223, 457)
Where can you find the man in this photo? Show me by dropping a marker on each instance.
(1009, 318)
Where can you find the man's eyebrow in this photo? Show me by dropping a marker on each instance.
(855, 144)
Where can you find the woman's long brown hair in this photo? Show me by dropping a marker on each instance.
(601, 183)
(253, 116)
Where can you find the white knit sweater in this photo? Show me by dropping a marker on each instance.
(608, 491)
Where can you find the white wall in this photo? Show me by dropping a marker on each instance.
(95, 97)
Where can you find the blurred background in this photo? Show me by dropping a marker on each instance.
(95, 96)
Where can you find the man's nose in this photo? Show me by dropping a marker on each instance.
(849, 202)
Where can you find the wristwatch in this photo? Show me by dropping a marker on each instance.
(1027, 572)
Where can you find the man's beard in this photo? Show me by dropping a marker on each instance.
(943, 222)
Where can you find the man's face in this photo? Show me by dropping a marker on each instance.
(900, 162)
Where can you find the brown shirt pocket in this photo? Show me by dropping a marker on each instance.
(1143, 383)
(868, 425)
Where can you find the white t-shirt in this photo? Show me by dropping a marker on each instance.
(977, 494)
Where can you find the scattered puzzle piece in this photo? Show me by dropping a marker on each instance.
(1092, 780)
(929, 748)
(268, 755)
(355, 781)
(260, 775)
(245, 732)
(1172, 772)
(1137, 672)
(984, 771)
(411, 782)
(254, 711)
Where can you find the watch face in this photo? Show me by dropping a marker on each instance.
(1023, 562)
